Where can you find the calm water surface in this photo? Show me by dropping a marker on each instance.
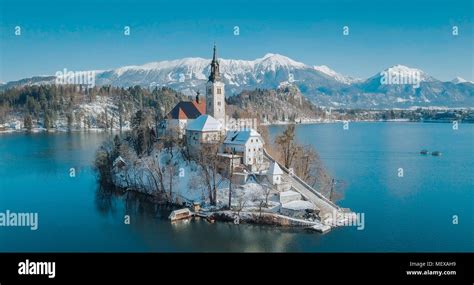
(409, 213)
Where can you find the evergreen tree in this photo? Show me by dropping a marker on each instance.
(117, 146)
(70, 121)
(47, 120)
(28, 122)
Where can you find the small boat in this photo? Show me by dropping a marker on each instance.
(180, 214)
(210, 219)
(436, 153)
(424, 152)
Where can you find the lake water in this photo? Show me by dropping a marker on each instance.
(410, 213)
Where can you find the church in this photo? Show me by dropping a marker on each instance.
(215, 93)
(203, 121)
(185, 112)
(209, 127)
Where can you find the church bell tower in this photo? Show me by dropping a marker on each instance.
(215, 96)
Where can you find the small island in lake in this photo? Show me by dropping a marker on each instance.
(209, 165)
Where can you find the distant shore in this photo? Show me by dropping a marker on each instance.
(314, 122)
(278, 123)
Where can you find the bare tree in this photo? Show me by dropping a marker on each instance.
(153, 166)
(265, 134)
(287, 145)
(305, 162)
(171, 139)
(170, 171)
(195, 183)
(209, 165)
(230, 177)
(261, 205)
(266, 191)
(240, 205)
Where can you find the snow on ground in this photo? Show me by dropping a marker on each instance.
(142, 173)
(248, 196)
(299, 205)
(252, 197)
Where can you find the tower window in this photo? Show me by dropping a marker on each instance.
(219, 91)
(218, 103)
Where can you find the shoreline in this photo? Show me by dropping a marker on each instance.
(315, 122)
(224, 215)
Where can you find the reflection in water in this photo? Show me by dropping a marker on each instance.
(150, 223)
(104, 200)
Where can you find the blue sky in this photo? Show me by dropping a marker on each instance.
(86, 34)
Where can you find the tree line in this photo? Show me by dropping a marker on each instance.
(48, 103)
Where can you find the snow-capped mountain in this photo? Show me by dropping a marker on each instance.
(337, 76)
(458, 80)
(403, 86)
(398, 75)
(398, 86)
(405, 71)
(190, 74)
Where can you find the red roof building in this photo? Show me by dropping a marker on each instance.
(185, 110)
(183, 113)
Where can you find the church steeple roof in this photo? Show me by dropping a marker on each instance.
(215, 74)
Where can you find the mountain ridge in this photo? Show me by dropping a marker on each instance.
(320, 84)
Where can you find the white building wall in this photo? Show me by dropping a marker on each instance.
(253, 154)
(215, 100)
(275, 179)
(194, 140)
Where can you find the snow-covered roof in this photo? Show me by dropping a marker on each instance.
(288, 193)
(299, 205)
(229, 155)
(204, 123)
(241, 137)
(274, 169)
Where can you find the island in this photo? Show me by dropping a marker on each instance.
(220, 168)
